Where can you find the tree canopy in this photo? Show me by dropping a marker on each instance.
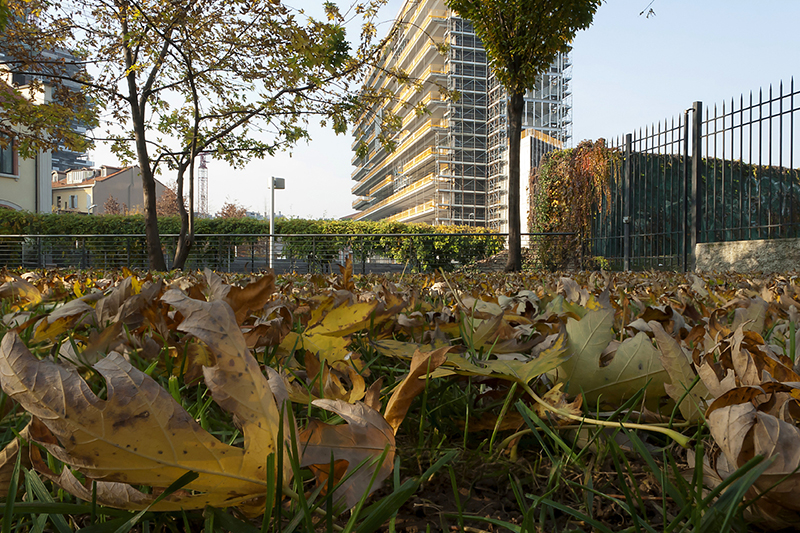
(522, 38)
(232, 78)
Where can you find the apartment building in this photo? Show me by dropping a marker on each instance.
(450, 163)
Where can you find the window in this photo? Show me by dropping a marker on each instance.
(73, 201)
(7, 155)
(58, 202)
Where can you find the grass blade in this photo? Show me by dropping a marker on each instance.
(178, 484)
(8, 511)
(41, 493)
(378, 513)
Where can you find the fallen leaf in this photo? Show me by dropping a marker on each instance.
(365, 436)
(677, 363)
(556, 397)
(8, 459)
(61, 320)
(634, 365)
(403, 350)
(422, 364)
(586, 340)
(138, 436)
(253, 296)
(511, 370)
(17, 289)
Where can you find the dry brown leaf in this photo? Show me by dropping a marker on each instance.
(677, 363)
(365, 436)
(252, 297)
(8, 459)
(422, 363)
(372, 397)
(557, 398)
(742, 432)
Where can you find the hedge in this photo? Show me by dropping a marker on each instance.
(421, 253)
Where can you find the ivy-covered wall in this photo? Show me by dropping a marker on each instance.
(567, 190)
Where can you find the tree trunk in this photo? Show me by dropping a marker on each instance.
(186, 237)
(155, 256)
(516, 106)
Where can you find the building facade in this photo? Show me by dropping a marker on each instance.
(87, 190)
(24, 183)
(450, 162)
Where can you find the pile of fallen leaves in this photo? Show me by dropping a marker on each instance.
(79, 354)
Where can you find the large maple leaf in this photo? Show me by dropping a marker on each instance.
(140, 436)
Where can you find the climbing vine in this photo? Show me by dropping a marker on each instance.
(567, 190)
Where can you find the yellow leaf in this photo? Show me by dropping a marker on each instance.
(60, 321)
(345, 319)
(139, 435)
(27, 294)
(332, 350)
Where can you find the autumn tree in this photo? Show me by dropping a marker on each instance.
(235, 79)
(167, 204)
(522, 38)
(231, 210)
(112, 207)
(41, 92)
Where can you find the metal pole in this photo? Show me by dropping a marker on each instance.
(626, 202)
(271, 219)
(695, 220)
(687, 187)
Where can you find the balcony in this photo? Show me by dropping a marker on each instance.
(361, 201)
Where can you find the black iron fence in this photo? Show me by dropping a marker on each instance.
(302, 253)
(705, 176)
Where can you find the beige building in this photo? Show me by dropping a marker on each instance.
(87, 190)
(25, 183)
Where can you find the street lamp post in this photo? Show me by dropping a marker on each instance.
(275, 183)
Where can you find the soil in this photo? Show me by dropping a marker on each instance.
(485, 490)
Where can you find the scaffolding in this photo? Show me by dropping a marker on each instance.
(465, 176)
(548, 110)
(450, 165)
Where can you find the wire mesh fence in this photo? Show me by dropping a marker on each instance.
(301, 253)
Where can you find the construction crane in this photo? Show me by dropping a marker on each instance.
(202, 187)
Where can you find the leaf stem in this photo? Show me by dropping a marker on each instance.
(681, 439)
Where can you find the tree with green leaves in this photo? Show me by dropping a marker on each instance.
(235, 79)
(522, 38)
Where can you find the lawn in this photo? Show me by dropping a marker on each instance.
(587, 401)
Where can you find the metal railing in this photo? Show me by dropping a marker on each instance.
(301, 253)
(723, 175)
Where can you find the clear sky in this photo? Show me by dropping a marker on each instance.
(629, 71)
